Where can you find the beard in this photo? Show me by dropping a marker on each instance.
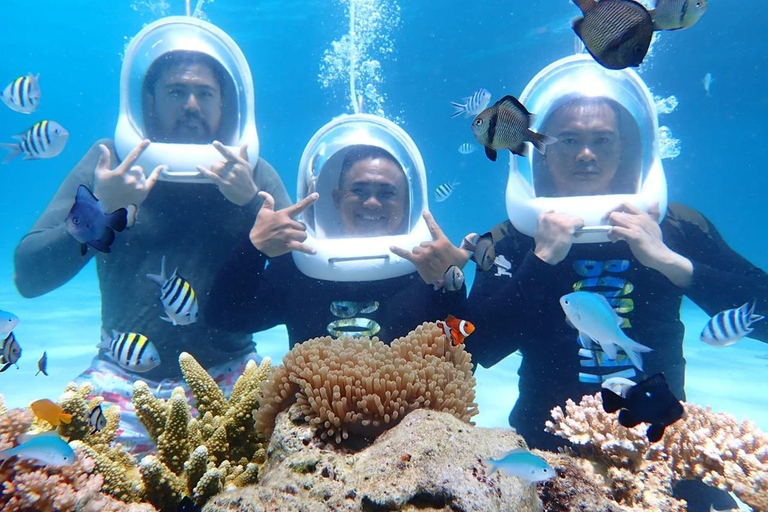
(191, 129)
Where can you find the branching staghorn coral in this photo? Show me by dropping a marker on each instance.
(712, 446)
(200, 456)
(360, 386)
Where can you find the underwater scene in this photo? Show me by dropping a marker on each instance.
(377, 255)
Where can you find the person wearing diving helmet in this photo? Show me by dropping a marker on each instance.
(332, 264)
(591, 215)
(185, 156)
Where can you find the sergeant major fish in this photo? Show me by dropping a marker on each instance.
(597, 321)
(467, 148)
(130, 350)
(23, 94)
(506, 125)
(45, 139)
(650, 401)
(677, 14)
(472, 105)
(617, 33)
(522, 464)
(444, 191)
(729, 326)
(90, 225)
(10, 352)
(177, 297)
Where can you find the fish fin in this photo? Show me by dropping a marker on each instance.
(576, 25)
(490, 153)
(635, 357)
(627, 419)
(585, 5)
(655, 432)
(515, 103)
(118, 219)
(610, 350)
(14, 150)
(167, 319)
(83, 249)
(102, 244)
(540, 141)
(611, 401)
(106, 339)
(459, 109)
(521, 149)
(161, 278)
(65, 417)
(84, 194)
(5, 367)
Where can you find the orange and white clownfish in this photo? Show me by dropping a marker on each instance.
(456, 330)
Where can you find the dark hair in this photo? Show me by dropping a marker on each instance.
(229, 117)
(363, 152)
(627, 176)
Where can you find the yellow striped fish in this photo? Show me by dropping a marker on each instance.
(177, 297)
(44, 139)
(131, 350)
(23, 94)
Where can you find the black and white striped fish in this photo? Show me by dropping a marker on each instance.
(467, 148)
(10, 352)
(23, 94)
(131, 350)
(472, 105)
(729, 326)
(444, 191)
(96, 420)
(177, 297)
(45, 139)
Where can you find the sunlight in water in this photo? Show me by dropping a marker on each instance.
(353, 61)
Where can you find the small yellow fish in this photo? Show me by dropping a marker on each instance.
(49, 411)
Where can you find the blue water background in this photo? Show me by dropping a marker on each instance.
(442, 52)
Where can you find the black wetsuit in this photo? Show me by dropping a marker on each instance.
(519, 309)
(193, 225)
(250, 295)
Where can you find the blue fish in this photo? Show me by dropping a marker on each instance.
(8, 322)
(522, 464)
(45, 449)
(187, 505)
(89, 225)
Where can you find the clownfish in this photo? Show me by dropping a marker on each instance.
(456, 330)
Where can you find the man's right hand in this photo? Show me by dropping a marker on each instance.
(554, 236)
(126, 184)
(278, 232)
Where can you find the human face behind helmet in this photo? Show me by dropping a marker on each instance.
(185, 104)
(588, 151)
(371, 197)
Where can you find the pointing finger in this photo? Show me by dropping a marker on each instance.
(298, 246)
(269, 201)
(209, 174)
(225, 152)
(133, 156)
(152, 179)
(403, 253)
(434, 229)
(302, 205)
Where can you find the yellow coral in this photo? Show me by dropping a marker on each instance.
(362, 386)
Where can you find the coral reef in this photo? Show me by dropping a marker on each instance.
(79, 487)
(361, 386)
(200, 456)
(711, 446)
(429, 461)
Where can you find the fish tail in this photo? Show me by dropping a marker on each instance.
(118, 219)
(635, 357)
(161, 278)
(14, 150)
(458, 109)
(541, 141)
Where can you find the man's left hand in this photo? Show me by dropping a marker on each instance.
(643, 234)
(233, 176)
(433, 258)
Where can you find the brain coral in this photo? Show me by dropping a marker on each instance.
(362, 386)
